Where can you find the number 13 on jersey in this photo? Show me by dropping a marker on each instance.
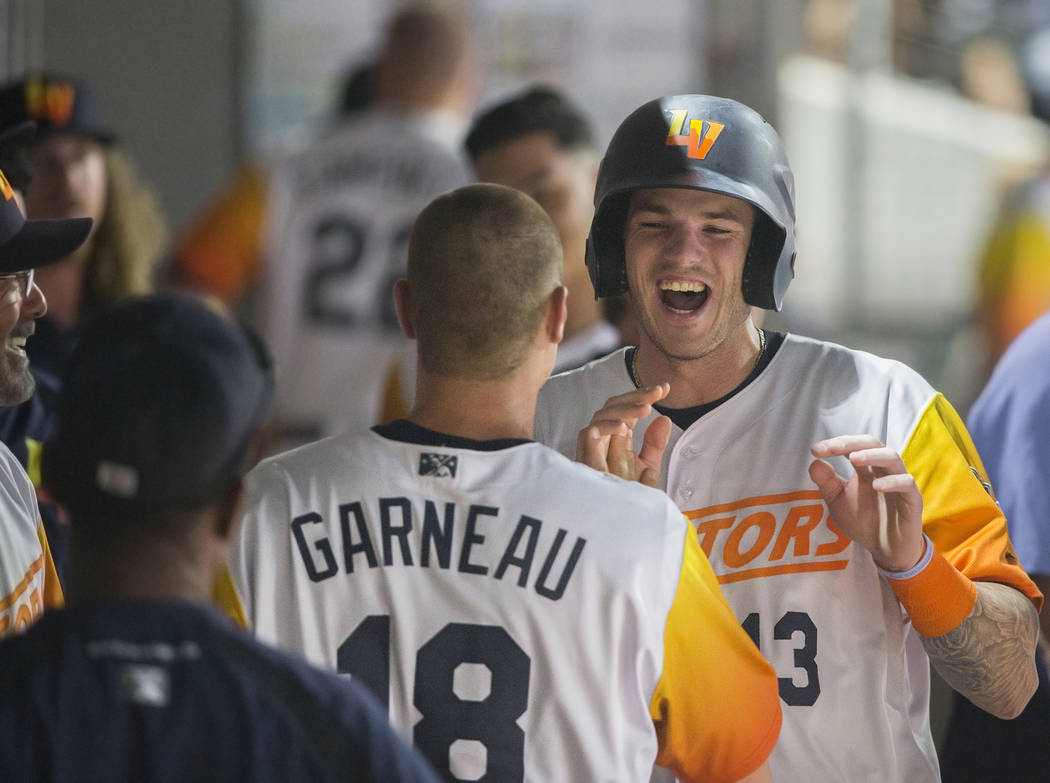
(798, 628)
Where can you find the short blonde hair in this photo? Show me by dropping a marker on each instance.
(483, 261)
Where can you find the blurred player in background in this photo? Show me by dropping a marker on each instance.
(849, 586)
(522, 616)
(79, 169)
(323, 234)
(28, 580)
(139, 678)
(541, 144)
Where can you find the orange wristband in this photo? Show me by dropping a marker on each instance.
(938, 598)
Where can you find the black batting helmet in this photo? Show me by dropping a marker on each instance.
(698, 142)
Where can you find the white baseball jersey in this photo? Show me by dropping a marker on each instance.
(520, 615)
(595, 341)
(339, 217)
(28, 581)
(854, 678)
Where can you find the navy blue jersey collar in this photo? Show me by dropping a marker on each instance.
(406, 431)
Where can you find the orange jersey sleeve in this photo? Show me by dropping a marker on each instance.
(960, 514)
(219, 253)
(716, 707)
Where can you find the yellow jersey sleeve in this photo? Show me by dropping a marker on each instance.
(960, 514)
(53, 596)
(219, 254)
(716, 707)
(225, 595)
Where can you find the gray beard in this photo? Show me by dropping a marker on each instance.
(16, 386)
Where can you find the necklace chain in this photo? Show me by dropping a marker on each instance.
(761, 353)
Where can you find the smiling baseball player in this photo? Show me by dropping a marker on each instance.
(850, 586)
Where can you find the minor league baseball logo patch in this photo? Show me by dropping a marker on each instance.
(438, 465)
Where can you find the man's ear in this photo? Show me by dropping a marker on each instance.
(557, 312)
(403, 305)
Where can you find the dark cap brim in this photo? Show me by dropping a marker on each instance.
(42, 242)
(21, 134)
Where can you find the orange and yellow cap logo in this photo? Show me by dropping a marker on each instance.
(696, 142)
(49, 101)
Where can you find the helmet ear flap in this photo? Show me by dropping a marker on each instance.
(760, 267)
(606, 261)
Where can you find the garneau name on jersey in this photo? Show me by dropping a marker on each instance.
(408, 535)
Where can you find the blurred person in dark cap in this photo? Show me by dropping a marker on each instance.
(149, 464)
(79, 169)
(28, 581)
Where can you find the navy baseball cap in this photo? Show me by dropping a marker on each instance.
(14, 153)
(56, 103)
(160, 403)
(28, 244)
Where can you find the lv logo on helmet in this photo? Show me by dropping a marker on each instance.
(696, 142)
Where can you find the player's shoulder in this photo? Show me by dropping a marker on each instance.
(16, 486)
(1019, 387)
(599, 371)
(319, 457)
(838, 366)
(565, 395)
(616, 501)
(1029, 348)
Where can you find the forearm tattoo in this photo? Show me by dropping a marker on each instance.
(990, 657)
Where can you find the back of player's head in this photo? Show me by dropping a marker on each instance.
(426, 54)
(161, 400)
(536, 110)
(483, 261)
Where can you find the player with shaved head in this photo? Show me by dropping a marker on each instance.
(460, 264)
(522, 617)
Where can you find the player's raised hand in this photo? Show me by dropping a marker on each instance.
(607, 442)
(879, 506)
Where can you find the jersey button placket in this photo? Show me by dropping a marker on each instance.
(687, 453)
